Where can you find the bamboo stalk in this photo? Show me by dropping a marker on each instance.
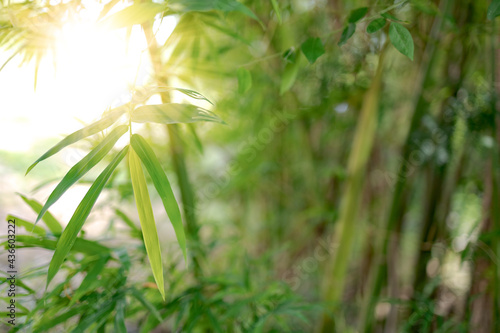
(178, 159)
(334, 279)
(398, 204)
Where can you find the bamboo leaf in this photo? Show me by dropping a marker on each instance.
(276, 10)
(70, 233)
(357, 14)
(172, 113)
(102, 312)
(290, 73)
(107, 7)
(81, 245)
(188, 92)
(493, 9)
(347, 33)
(49, 220)
(208, 5)
(312, 49)
(46, 325)
(162, 185)
(90, 278)
(127, 220)
(146, 218)
(135, 14)
(147, 304)
(107, 120)
(244, 80)
(82, 167)
(31, 227)
(120, 316)
(376, 25)
(401, 39)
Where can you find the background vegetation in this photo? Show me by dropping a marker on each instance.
(354, 186)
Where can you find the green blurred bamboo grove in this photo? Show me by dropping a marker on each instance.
(335, 168)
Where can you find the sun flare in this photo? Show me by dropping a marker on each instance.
(88, 69)
(95, 66)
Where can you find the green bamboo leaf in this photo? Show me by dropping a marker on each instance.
(31, 227)
(120, 316)
(81, 245)
(195, 137)
(82, 167)
(127, 220)
(46, 325)
(276, 10)
(70, 233)
(147, 304)
(102, 313)
(208, 5)
(90, 278)
(357, 14)
(162, 185)
(227, 31)
(188, 92)
(50, 221)
(244, 80)
(172, 113)
(146, 218)
(347, 33)
(137, 13)
(493, 9)
(312, 49)
(107, 120)
(376, 25)
(401, 39)
(290, 72)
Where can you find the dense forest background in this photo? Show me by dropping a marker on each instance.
(347, 180)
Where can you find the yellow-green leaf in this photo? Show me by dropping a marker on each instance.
(31, 227)
(75, 224)
(142, 94)
(137, 13)
(290, 73)
(147, 220)
(82, 167)
(81, 245)
(244, 80)
(171, 113)
(107, 120)
(162, 185)
(50, 221)
(276, 10)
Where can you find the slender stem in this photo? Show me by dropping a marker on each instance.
(348, 221)
(178, 159)
(398, 204)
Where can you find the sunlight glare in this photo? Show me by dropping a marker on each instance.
(92, 69)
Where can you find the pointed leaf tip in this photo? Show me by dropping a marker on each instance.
(401, 39)
(162, 185)
(70, 233)
(146, 217)
(82, 167)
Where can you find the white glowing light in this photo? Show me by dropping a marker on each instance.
(94, 70)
